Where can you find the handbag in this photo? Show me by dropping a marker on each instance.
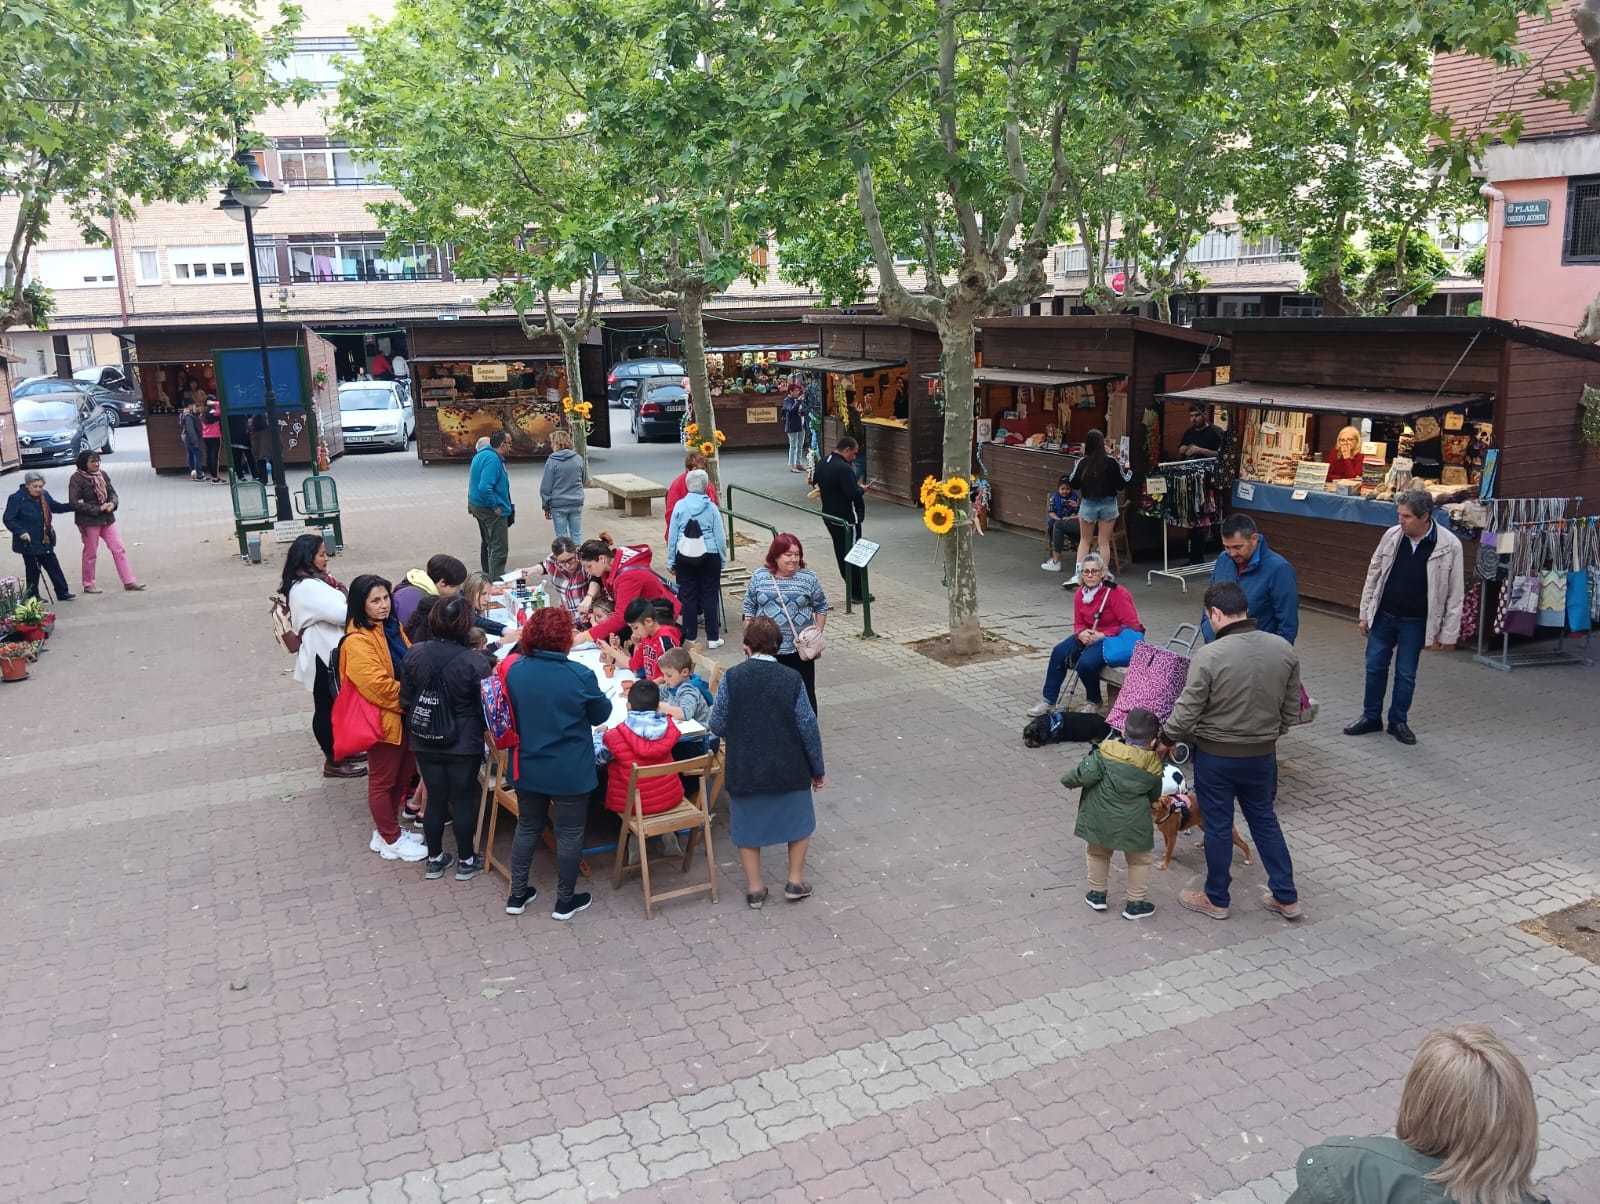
(1522, 592)
(1553, 584)
(1154, 679)
(809, 641)
(1579, 616)
(283, 629)
(357, 723)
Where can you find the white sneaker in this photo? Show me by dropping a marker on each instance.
(713, 645)
(1051, 566)
(1039, 708)
(400, 850)
(413, 836)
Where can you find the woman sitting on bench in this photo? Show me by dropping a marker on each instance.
(1105, 629)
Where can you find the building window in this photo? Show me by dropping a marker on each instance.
(147, 264)
(1070, 260)
(330, 167)
(1582, 242)
(1217, 246)
(333, 258)
(60, 270)
(207, 265)
(317, 60)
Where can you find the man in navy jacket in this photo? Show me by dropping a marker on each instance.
(1266, 578)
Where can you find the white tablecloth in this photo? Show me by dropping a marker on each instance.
(615, 688)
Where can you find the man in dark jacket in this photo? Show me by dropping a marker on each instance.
(1267, 579)
(843, 497)
(30, 517)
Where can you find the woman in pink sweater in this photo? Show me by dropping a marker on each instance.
(1105, 628)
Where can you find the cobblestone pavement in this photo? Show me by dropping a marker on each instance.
(214, 992)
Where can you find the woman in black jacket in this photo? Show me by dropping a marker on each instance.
(30, 517)
(1098, 478)
(446, 666)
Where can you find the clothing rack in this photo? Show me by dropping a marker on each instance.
(1180, 472)
(1553, 546)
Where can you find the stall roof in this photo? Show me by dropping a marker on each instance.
(1514, 331)
(1381, 403)
(1040, 376)
(743, 347)
(484, 359)
(844, 367)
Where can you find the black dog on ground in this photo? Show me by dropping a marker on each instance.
(1072, 727)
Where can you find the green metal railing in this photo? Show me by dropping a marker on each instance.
(866, 594)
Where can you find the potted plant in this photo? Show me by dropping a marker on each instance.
(27, 620)
(14, 656)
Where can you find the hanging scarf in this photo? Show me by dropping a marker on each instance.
(98, 480)
(49, 523)
(396, 642)
(331, 580)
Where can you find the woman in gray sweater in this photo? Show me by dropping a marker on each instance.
(561, 490)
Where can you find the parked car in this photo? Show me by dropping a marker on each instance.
(376, 413)
(626, 376)
(52, 428)
(659, 410)
(123, 405)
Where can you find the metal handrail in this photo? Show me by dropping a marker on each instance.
(866, 594)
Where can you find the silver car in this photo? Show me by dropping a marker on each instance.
(376, 413)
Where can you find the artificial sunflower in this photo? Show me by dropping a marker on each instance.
(692, 429)
(930, 490)
(939, 518)
(720, 437)
(566, 405)
(708, 448)
(956, 489)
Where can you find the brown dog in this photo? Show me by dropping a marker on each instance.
(1176, 813)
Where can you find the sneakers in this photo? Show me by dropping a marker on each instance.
(713, 645)
(1090, 708)
(1039, 708)
(1051, 566)
(134, 586)
(1195, 900)
(565, 911)
(401, 850)
(519, 900)
(89, 589)
(793, 892)
(468, 868)
(1096, 899)
(438, 865)
(1137, 909)
(1289, 911)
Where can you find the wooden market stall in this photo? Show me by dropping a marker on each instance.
(747, 381)
(10, 449)
(1045, 382)
(461, 399)
(1459, 406)
(875, 372)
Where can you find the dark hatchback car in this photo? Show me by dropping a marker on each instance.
(627, 376)
(658, 411)
(55, 427)
(123, 406)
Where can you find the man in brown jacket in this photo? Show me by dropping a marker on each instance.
(1242, 693)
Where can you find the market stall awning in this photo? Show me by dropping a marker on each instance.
(843, 367)
(538, 356)
(1377, 403)
(1036, 376)
(743, 347)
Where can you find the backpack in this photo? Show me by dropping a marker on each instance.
(691, 541)
(335, 668)
(699, 683)
(432, 723)
(497, 712)
(282, 624)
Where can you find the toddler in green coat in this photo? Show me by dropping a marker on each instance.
(1119, 779)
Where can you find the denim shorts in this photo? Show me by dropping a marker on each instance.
(1098, 509)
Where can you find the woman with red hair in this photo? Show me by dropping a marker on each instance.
(789, 594)
(556, 704)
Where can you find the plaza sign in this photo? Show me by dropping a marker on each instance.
(1527, 213)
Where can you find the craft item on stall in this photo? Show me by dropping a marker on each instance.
(1553, 585)
(1188, 493)
(1454, 448)
(1470, 603)
(1426, 428)
(1522, 591)
(1581, 554)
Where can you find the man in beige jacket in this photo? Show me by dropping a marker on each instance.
(1412, 600)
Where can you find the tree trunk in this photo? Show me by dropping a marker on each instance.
(957, 340)
(692, 312)
(569, 357)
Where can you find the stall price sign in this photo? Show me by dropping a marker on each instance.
(861, 553)
(1311, 474)
(488, 374)
(761, 414)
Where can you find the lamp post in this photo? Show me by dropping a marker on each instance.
(241, 202)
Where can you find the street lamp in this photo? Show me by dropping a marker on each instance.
(240, 202)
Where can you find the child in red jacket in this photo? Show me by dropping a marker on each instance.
(650, 639)
(644, 738)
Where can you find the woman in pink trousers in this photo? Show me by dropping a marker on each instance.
(94, 507)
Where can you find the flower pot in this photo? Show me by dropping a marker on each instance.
(13, 668)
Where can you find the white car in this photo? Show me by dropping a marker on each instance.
(376, 413)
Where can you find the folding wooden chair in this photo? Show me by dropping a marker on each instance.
(494, 798)
(691, 814)
(710, 671)
(1120, 552)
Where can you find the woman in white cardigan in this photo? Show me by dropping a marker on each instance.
(317, 608)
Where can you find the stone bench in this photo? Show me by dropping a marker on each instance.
(629, 493)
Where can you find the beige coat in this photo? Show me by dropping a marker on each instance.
(1446, 585)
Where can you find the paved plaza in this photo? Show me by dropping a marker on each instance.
(215, 994)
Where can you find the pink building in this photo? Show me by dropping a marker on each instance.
(1543, 194)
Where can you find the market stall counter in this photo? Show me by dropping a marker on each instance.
(747, 384)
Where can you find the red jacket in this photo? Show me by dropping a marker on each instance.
(677, 491)
(1119, 612)
(629, 748)
(647, 652)
(630, 577)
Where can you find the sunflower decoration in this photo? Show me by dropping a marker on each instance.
(930, 491)
(720, 437)
(583, 409)
(956, 489)
(692, 429)
(708, 448)
(566, 405)
(939, 518)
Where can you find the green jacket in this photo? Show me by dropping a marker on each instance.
(1368, 1170)
(1119, 783)
(1242, 693)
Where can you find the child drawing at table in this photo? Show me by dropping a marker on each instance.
(650, 639)
(645, 737)
(686, 697)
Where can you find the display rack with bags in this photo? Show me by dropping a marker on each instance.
(1544, 565)
(1181, 493)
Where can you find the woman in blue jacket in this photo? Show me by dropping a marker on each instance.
(556, 704)
(30, 517)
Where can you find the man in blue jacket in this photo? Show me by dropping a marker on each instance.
(1267, 579)
(489, 501)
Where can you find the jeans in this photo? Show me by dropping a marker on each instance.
(1254, 782)
(195, 457)
(213, 451)
(571, 810)
(568, 523)
(808, 675)
(322, 709)
(699, 586)
(1402, 640)
(843, 539)
(92, 535)
(49, 565)
(452, 781)
(1061, 532)
(797, 448)
(389, 770)
(1087, 659)
(495, 539)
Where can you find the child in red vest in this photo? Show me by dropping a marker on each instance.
(645, 737)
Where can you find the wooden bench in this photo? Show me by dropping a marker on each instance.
(629, 493)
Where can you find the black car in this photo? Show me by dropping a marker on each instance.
(658, 411)
(53, 428)
(626, 377)
(120, 406)
(122, 395)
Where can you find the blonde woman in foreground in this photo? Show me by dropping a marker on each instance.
(1467, 1133)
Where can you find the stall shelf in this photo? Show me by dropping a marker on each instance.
(747, 415)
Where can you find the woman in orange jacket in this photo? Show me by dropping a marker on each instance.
(373, 648)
